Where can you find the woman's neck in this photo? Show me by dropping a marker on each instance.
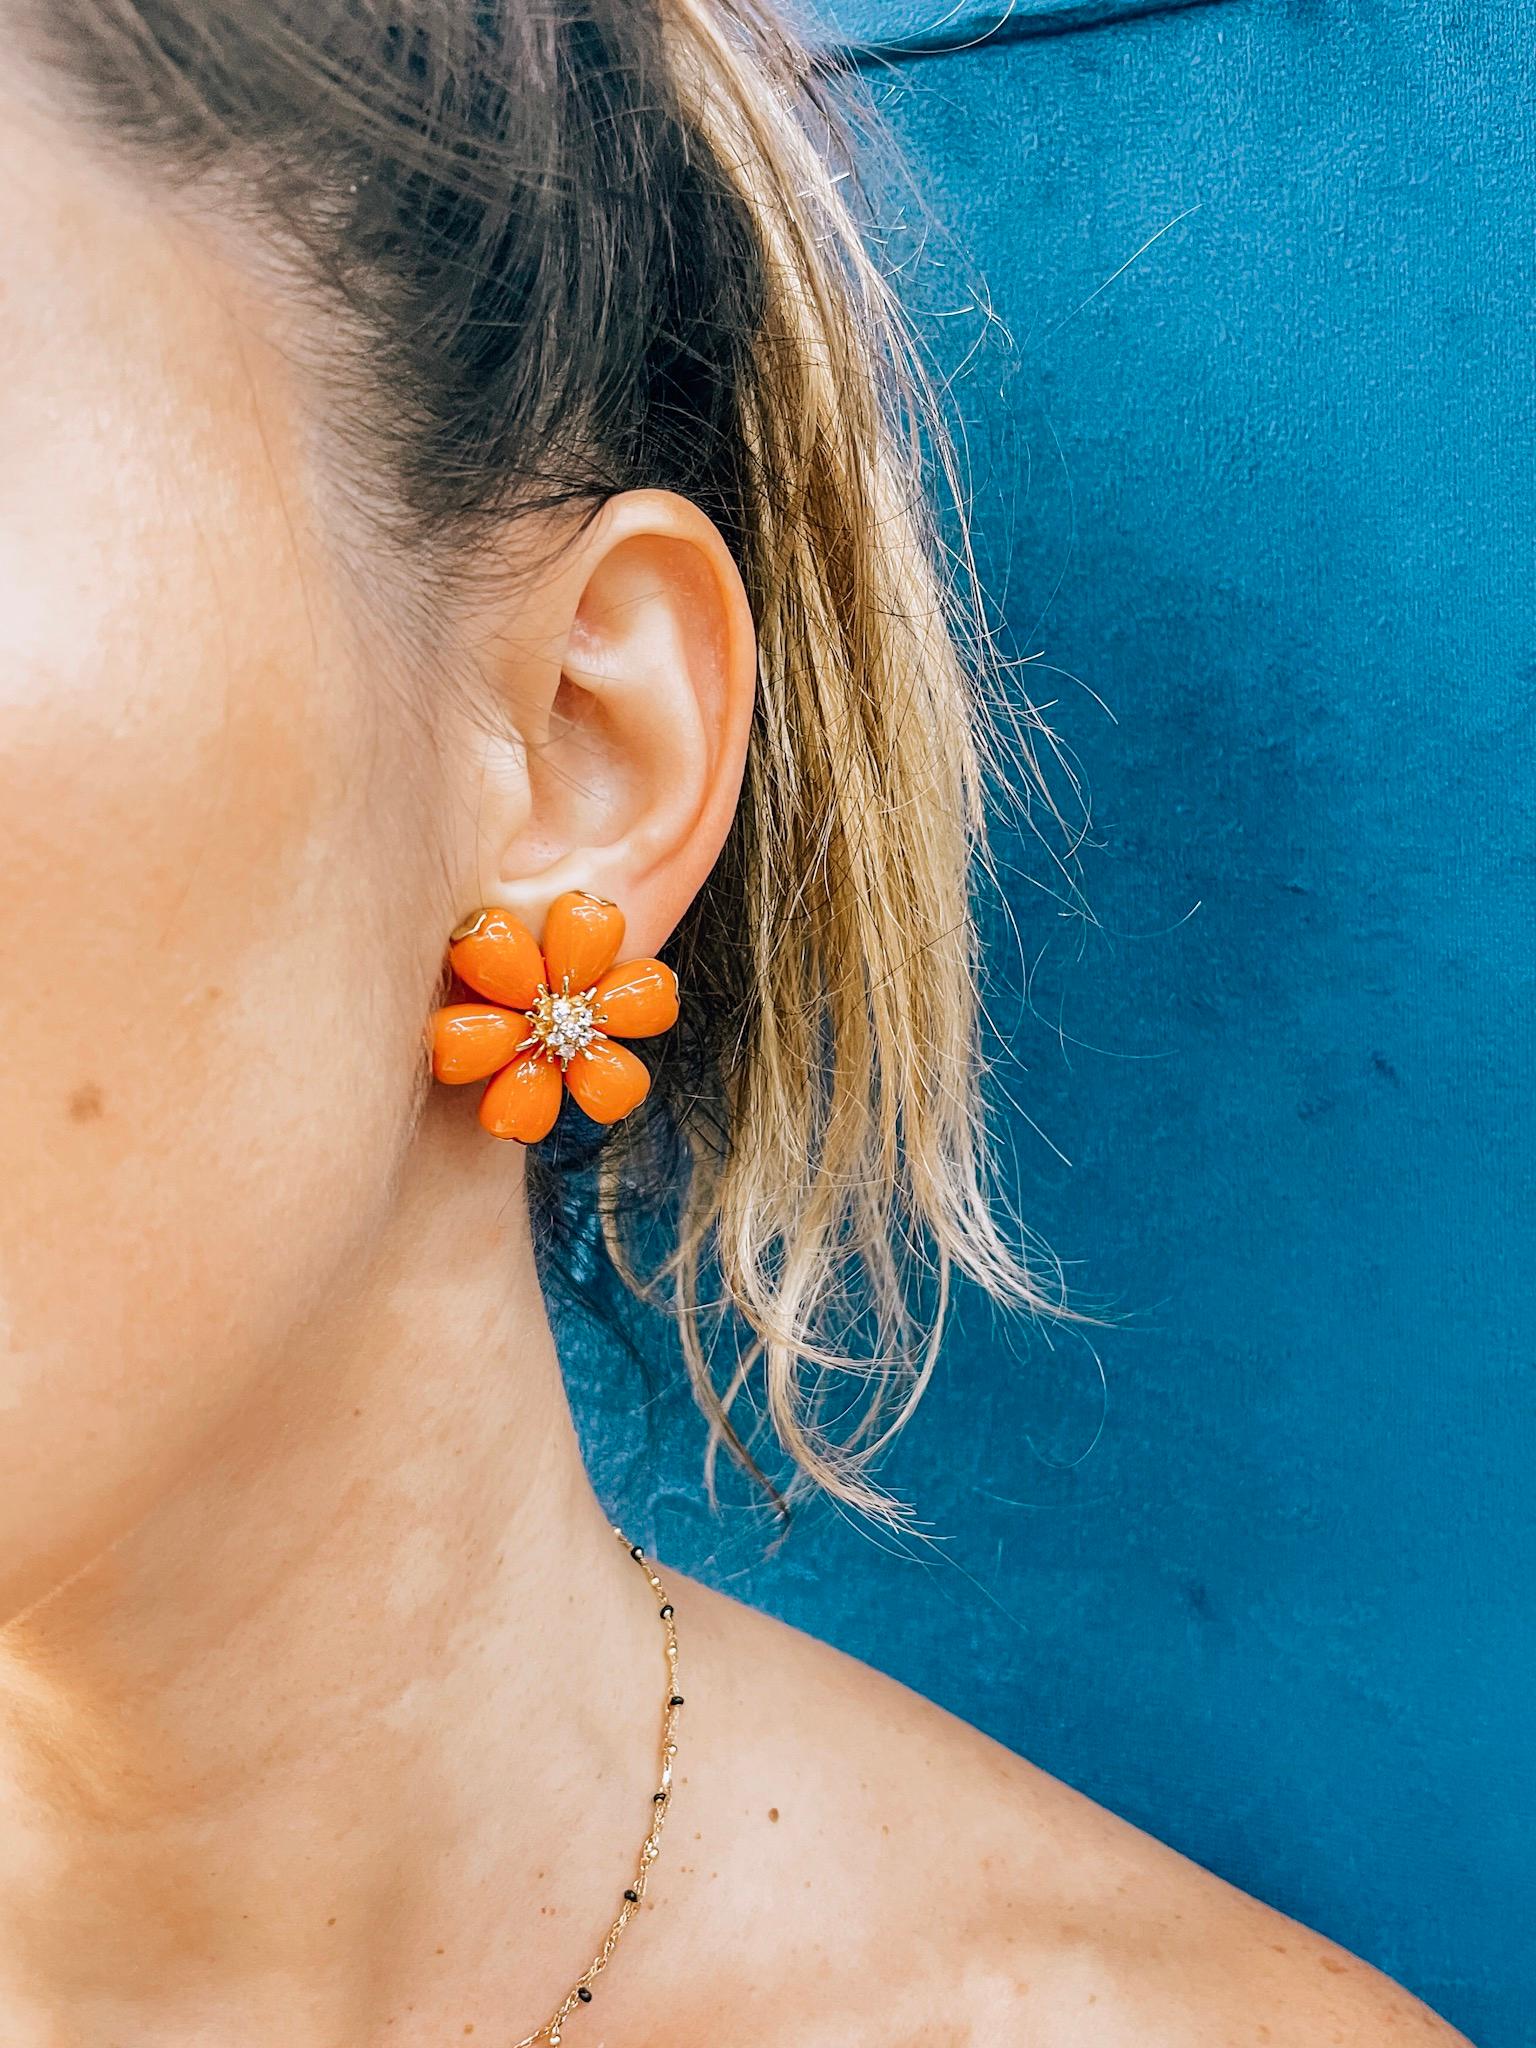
(329, 1738)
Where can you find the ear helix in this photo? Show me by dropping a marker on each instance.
(552, 1017)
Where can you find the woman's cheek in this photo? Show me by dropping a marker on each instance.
(211, 1050)
(209, 1077)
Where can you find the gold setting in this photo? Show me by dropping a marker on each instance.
(564, 1024)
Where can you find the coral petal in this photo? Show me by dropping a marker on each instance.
(637, 999)
(471, 1040)
(582, 936)
(523, 1100)
(607, 1081)
(499, 958)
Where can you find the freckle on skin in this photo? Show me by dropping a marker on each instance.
(1332, 1963)
(773, 1813)
(86, 1103)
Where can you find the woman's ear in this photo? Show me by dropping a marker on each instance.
(624, 672)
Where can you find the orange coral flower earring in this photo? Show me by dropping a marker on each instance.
(552, 1016)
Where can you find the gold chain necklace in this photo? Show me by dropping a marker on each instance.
(580, 1992)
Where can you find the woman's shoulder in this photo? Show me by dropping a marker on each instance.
(929, 1886)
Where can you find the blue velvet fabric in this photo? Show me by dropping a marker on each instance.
(1252, 437)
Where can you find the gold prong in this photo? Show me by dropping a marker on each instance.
(468, 926)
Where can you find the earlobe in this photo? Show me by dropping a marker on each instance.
(633, 769)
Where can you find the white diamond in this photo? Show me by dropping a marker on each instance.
(564, 1023)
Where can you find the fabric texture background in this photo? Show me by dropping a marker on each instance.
(1261, 500)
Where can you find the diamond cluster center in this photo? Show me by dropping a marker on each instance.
(563, 1024)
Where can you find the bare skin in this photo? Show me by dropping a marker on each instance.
(327, 1700)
